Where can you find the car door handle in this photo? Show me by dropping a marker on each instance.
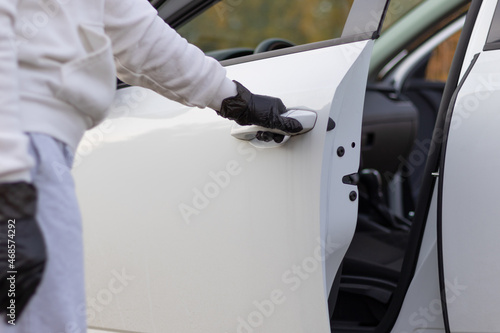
(249, 133)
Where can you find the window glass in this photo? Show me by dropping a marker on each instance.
(493, 41)
(239, 23)
(439, 63)
(397, 9)
(154, 3)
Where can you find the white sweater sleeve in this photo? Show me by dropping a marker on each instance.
(149, 53)
(15, 162)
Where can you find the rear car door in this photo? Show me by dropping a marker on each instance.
(468, 186)
(189, 228)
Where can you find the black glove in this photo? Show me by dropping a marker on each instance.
(22, 248)
(248, 109)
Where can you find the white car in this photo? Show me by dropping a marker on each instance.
(381, 218)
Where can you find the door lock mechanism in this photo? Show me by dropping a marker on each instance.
(352, 179)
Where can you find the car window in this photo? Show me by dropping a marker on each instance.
(155, 3)
(493, 41)
(440, 61)
(397, 9)
(238, 23)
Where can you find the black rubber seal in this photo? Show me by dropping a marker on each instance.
(449, 116)
(429, 181)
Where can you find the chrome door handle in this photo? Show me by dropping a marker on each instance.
(249, 133)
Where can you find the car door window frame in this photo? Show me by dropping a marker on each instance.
(493, 40)
(358, 30)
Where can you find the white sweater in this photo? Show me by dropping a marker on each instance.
(58, 65)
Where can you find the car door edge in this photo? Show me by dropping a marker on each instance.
(429, 179)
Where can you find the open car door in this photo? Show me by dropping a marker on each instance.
(192, 224)
(468, 186)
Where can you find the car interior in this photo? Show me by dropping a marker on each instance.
(396, 136)
(398, 122)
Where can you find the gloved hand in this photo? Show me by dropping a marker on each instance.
(22, 248)
(248, 109)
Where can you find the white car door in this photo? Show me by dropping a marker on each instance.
(190, 229)
(469, 186)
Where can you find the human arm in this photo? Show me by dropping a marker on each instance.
(149, 53)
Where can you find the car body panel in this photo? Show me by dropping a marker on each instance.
(470, 222)
(173, 171)
(470, 203)
(369, 18)
(337, 203)
(421, 309)
(271, 269)
(479, 34)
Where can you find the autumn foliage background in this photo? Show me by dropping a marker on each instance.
(246, 23)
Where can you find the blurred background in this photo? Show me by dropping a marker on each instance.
(239, 23)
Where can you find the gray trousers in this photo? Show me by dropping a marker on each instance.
(59, 303)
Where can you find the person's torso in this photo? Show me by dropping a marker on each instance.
(65, 62)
